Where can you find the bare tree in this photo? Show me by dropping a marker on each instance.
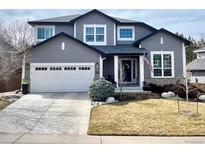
(19, 34)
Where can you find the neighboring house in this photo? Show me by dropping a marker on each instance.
(197, 67)
(10, 67)
(70, 51)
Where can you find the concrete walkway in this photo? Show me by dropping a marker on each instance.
(48, 113)
(85, 139)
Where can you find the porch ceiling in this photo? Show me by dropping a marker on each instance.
(121, 50)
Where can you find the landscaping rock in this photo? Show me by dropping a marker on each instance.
(165, 95)
(202, 97)
(172, 94)
(110, 100)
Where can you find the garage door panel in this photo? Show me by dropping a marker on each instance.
(62, 80)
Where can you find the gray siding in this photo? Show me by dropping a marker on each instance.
(95, 18)
(74, 52)
(170, 44)
(108, 67)
(140, 32)
(68, 29)
(51, 52)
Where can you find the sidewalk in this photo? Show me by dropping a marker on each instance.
(85, 139)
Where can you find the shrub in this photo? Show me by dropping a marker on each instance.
(179, 90)
(100, 90)
(156, 88)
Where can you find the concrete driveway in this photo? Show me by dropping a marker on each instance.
(47, 113)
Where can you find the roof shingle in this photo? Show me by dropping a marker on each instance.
(197, 64)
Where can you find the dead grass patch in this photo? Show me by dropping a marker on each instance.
(3, 104)
(152, 117)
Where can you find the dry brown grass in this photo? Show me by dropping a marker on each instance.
(152, 117)
(3, 104)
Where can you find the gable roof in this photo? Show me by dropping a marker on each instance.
(95, 11)
(70, 19)
(60, 19)
(196, 64)
(70, 37)
(165, 31)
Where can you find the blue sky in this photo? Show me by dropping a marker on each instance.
(188, 22)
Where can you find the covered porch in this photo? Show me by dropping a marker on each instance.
(126, 71)
(123, 66)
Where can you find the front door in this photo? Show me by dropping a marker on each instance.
(126, 70)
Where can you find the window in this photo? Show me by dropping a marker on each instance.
(44, 32)
(69, 68)
(55, 68)
(163, 64)
(84, 68)
(95, 34)
(126, 33)
(63, 46)
(161, 40)
(41, 68)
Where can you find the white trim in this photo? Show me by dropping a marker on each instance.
(74, 30)
(101, 67)
(95, 26)
(173, 68)
(116, 67)
(184, 59)
(199, 50)
(114, 37)
(125, 27)
(141, 63)
(23, 67)
(43, 26)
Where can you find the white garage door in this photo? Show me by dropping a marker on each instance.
(69, 77)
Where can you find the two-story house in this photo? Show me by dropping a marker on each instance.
(70, 51)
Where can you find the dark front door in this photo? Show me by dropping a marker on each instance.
(126, 71)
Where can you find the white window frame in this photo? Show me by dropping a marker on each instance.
(43, 26)
(95, 26)
(125, 39)
(172, 65)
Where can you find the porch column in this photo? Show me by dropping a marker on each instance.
(116, 70)
(141, 63)
(23, 67)
(101, 67)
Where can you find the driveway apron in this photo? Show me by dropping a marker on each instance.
(47, 113)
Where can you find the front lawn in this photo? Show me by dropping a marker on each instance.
(152, 117)
(3, 104)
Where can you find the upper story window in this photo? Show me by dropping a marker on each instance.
(162, 63)
(95, 34)
(44, 32)
(126, 33)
